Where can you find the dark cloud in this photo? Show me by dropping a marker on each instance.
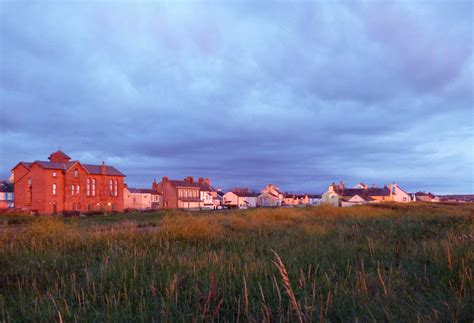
(298, 94)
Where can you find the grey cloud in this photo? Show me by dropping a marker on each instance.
(295, 94)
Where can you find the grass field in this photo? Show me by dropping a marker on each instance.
(367, 263)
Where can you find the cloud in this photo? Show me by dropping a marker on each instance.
(297, 94)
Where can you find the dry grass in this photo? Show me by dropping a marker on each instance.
(383, 263)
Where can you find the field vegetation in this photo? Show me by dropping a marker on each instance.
(368, 263)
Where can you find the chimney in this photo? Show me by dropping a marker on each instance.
(201, 180)
(341, 186)
(165, 179)
(207, 181)
(103, 168)
(189, 179)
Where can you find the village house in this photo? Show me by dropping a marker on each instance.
(218, 199)
(295, 199)
(208, 194)
(240, 198)
(424, 197)
(315, 199)
(339, 195)
(141, 198)
(60, 184)
(182, 194)
(6, 195)
(270, 196)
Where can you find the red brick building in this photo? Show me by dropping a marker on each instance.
(63, 185)
(180, 194)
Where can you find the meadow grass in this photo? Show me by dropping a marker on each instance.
(369, 263)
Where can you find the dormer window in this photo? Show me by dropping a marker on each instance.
(76, 173)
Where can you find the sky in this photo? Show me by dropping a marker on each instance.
(296, 93)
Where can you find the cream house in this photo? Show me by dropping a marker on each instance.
(270, 196)
(141, 199)
(339, 195)
(240, 198)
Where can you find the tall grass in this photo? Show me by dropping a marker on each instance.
(383, 263)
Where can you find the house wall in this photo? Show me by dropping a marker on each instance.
(19, 187)
(169, 193)
(400, 195)
(268, 200)
(230, 199)
(207, 201)
(331, 198)
(252, 201)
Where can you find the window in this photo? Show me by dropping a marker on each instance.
(78, 206)
(55, 174)
(116, 187)
(30, 190)
(74, 206)
(72, 189)
(111, 187)
(76, 173)
(93, 186)
(89, 207)
(88, 187)
(54, 189)
(404, 199)
(78, 189)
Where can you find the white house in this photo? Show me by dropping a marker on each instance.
(241, 199)
(141, 199)
(339, 195)
(270, 196)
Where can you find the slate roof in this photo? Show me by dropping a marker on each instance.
(245, 193)
(371, 191)
(91, 169)
(187, 184)
(143, 191)
(97, 169)
(183, 183)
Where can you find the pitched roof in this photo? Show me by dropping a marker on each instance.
(54, 165)
(143, 191)
(183, 183)
(372, 191)
(97, 170)
(245, 193)
(91, 169)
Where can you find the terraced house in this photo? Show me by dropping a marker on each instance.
(60, 184)
(339, 195)
(187, 193)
